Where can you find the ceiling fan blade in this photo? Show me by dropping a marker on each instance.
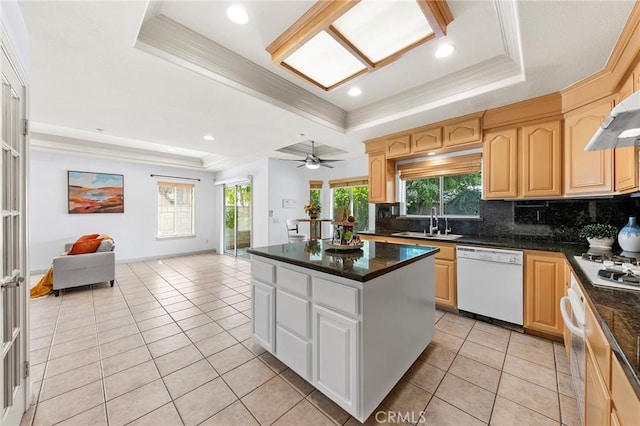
(302, 165)
(326, 165)
(329, 161)
(287, 159)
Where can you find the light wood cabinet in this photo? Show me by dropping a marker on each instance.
(426, 140)
(586, 172)
(463, 132)
(398, 146)
(523, 162)
(566, 333)
(381, 178)
(625, 404)
(543, 288)
(500, 164)
(597, 405)
(541, 167)
(625, 159)
(600, 348)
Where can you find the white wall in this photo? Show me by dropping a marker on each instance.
(134, 231)
(14, 25)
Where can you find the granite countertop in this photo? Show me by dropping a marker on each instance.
(373, 260)
(617, 310)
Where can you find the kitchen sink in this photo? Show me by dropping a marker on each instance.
(427, 236)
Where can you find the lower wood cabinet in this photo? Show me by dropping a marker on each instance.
(625, 409)
(446, 283)
(597, 405)
(543, 288)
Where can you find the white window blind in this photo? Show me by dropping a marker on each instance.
(175, 210)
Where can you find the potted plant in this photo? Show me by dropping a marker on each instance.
(313, 209)
(599, 235)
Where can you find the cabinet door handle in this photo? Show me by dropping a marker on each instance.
(13, 283)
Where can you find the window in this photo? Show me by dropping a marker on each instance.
(315, 191)
(354, 195)
(452, 185)
(175, 210)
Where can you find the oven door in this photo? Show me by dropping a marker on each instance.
(572, 312)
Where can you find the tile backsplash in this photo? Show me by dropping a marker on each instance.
(557, 220)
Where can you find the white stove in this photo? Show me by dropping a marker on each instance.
(613, 272)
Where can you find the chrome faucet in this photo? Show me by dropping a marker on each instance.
(434, 214)
(446, 226)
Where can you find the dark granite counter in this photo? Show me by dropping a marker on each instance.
(373, 260)
(617, 310)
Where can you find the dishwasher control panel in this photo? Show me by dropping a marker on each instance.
(490, 255)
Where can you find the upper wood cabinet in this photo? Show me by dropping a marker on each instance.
(398, 146)
(523, 162)
(543, 288)
(500, 164)
(381, 178)
(463, 132)
(541, 166)
(426, 140)
(626, 159)
(586, 172)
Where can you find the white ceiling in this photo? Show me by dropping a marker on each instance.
(157, 76)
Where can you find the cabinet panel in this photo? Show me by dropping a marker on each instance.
(262, 318)
(462, 132)
(264, 272)
(541, 160)
(499, 164)
(597, 406)
(445, 277)
(293, 281)
(294, 352)
(398, 146)
(381, 179)
(586, 172)
(426, 140)
(334, 295)
(335, 356)
(293, 313)
(626, 169)
(544, 286)
(600, 348)
(626, 404)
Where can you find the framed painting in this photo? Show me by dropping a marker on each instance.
(95, 192)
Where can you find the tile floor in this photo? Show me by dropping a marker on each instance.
(170, 344)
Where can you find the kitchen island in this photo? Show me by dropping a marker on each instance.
(351, 323)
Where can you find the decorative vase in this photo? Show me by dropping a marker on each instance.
(600, 243)
(629, 236)
(313, 216)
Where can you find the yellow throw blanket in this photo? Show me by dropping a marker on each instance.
(45, 285)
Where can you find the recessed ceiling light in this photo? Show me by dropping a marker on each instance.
(208, 138)
(355, 91)
(237, 14)
(444, 51)
(431, 153)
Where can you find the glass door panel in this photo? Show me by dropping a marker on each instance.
(229, 240)
(237, 219)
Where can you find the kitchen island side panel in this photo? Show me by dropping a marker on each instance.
(398, 322)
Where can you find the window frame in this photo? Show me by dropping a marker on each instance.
(350, 184)
(175, 235)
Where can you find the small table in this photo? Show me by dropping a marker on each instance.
(315, 227)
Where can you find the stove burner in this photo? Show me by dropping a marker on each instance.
(617, 260)
(619, 276)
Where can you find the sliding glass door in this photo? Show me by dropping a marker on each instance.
(237, 219)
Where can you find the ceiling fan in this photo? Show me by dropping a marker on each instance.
(312, 161)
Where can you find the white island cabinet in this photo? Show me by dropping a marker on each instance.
(349, 327)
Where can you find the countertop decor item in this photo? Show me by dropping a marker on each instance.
(313, 209)
(629, 236)
(599, 235)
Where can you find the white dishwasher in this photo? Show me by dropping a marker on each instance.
(490, 283)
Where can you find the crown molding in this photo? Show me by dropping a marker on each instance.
(54, 143)
(169, 40)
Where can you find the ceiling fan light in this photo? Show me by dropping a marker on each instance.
(237, 14)
(313, 166)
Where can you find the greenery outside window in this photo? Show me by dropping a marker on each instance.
(175, 210)
(315, 191)
(452, 185)
(354, 194)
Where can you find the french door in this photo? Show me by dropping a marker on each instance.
(237, 227)
(13, 295)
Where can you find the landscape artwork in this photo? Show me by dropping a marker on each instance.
(95, 192)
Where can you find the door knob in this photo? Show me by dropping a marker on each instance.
(13, 283)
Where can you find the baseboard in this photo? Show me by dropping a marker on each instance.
(141, 259)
